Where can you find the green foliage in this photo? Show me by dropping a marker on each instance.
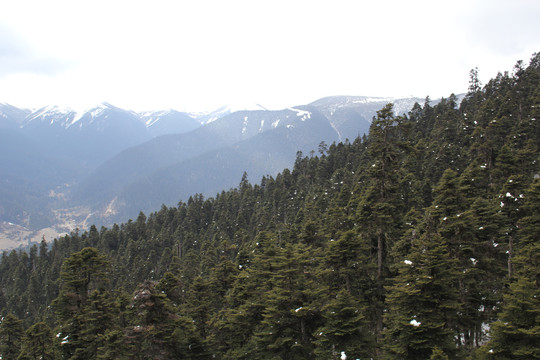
(85, 311)
(290, 312)
(155, 331)
(345, 328)
(38, 343)
(438, 354)
(517, 334)
(419, 241)
(423, 301)
(11, 333)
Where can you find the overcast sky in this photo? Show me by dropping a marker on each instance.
(199, 55)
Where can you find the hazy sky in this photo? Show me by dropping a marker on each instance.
(199, 55)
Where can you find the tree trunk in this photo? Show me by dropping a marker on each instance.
(510, 250)
(380, 256)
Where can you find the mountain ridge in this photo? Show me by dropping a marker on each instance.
(106, 152)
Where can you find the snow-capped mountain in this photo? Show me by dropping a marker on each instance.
(93, 135)
(89, 137)
(210, 116)
(50, 116)
(345, 111)
(365, 105)
(105, 115)
(210, 158)
(98, 118)
(244, 124)
(168, 122)
(112, 161)
(11, 116)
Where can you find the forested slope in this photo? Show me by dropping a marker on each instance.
(420, 241)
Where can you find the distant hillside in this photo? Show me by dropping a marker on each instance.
(43, 153)
(211, 158)
(103, 161)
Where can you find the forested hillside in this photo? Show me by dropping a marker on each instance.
(420, 241)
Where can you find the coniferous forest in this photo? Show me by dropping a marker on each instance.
(419, 241)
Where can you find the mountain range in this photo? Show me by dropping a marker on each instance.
(61, 170)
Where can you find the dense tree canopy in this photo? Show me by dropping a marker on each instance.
(419, 241)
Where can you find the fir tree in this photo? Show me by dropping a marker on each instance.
(11, 333)
(83, 306)
(345, 328)
(517, 334)
(422, 302)
(37, 343)
(156, 331)
(290, 308)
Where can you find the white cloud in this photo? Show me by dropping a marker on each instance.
(203, 54)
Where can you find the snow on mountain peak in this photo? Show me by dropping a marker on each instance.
(210, 116)
(52, 110)
(66, 116)
(152, 117)
(52, 114)
(303, 114)
(93, 112)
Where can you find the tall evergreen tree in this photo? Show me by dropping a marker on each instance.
(345, 328)
(422, 302)
(380, 208)
(379, 205)
(155, 331)
(11, 333)
(38, 343)
(290, 312)
(517, 334)
(83, 307)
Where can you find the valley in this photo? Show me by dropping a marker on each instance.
(64, 170)
(416, 241)
(65, 221)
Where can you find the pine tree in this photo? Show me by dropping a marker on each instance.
(290, 310)
(114, 346)
(153, 324)
(156, 331)
(83, 307)
(100, 317)
(517, 334)
(511, 201)
(345, 328)
(481, 274)
(198, 305)
(11, 333)
(37, 343)
(422, 301)
(306, 264)
(349, 263)
(244, 303)
(438, 354)
(528, 258)
(172, 287)
(380, 208)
